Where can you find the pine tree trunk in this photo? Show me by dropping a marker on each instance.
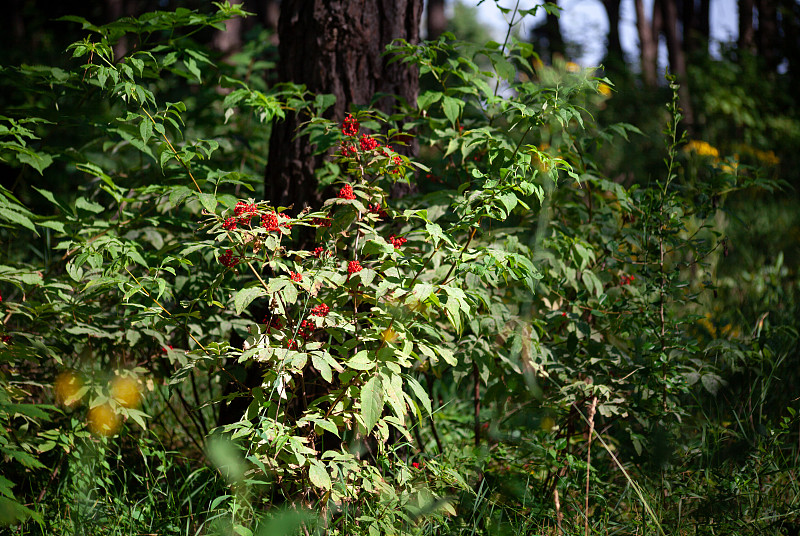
(647, 45)
(747, 36)
(614, 47)
(436, 19)
(677, 59)
(335, 46)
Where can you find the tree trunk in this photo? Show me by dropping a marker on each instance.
(747, 36)
(335, 46)
(614, 53)
(768, 34)
(229, 40)
(436, 20)
(555, 40)
(647, 46)
(677, 59)
(696, 29)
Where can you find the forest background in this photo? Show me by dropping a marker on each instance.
(364, 268)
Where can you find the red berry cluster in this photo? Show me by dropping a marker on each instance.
(626, 279)
(244, 211)
(1, 298)
(320, 310)
(230, 224)
(350, 126)
(6, 339)
(368, 143)
(321, 222)
(318, 251)
(376, 209)
(397, 242)
(354, 267)
(349, 150)
(270, 221)
(296, 276)
(347, 192)
(275, 323)
(306, 329)
(291, 344)
(227, 259)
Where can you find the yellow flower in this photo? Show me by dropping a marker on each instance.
(573, 67)
(103, 420)
(604, 89)
(69, 388)
(702, 148)
(125, 390)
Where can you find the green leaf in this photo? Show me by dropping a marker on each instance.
(89, 206)
(419, 392)
(427, 98)
(16, 217)
(371, 402)
(209, 202)
(452, 108)
(318, 475)
(322, 366)
(327, 425)
(245, 296)
(38, 161)
(178, 194)
(146, 130)
(361, 361)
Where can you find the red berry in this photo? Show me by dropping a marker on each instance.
(270, 221)
(230, 224)
(296, 277)
(227, 259)
(368, 143)
(347, 192)
(354, 267)
(320, 310)
(350, 126)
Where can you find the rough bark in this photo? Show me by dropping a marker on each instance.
(768, 34)
(436, 22)
(647, 46)
(747, 35)
(335, 46)
(677, 58)
(614, 47)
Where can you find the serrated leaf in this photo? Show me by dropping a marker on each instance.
(712, 382)
(245, 297)
(452, 108)
(146, 130)
(209, 202)
(327, 425)
(361, 361)
(322, 366)
(427, 98)
(419, 392)
(89, 206)
(372, 402)
(319, 475)
(16, 217)
(38, 161)
(178, 194)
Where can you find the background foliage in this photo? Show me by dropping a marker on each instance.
(583, 318)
